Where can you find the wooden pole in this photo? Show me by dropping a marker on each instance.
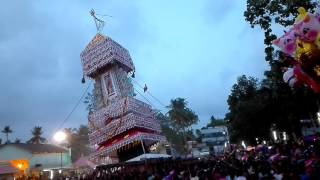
(144, 151)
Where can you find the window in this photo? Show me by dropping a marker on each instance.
(109, 85)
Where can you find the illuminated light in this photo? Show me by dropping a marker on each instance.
(51, 173)
(264, 142)
(274, 135)
(243, 144)
(225, 144)
(20, 164)
(284, 136)
(60, 171)
(60, 136)
(318, 114)
(269, 147)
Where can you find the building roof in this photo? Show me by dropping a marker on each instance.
(37, 148)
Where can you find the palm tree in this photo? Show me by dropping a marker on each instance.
(181, 116)
(6, 130)
(36, 136)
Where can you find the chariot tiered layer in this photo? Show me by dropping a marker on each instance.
(118, 122)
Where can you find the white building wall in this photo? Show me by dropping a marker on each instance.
(47, 160)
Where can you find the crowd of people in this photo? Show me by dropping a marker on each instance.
(288, 160)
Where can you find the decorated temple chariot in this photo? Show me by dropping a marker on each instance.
(121, 126)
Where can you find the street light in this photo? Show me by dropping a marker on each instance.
(243, 144)
(275, 135)
(284, 136)
(59, 137)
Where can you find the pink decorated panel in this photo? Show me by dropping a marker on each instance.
(102, 51)
(120, 108)
(104, 132)
(137, 137)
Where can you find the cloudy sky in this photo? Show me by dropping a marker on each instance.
(190, 49)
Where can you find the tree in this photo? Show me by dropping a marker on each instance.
(78, 141)
(245, 110)
(89, 100)
(216, 122)
(181, 116)
(36, 136)
(6, 130)
(256, 106)
(175, 138)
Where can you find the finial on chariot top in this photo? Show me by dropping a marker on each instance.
(98, 21)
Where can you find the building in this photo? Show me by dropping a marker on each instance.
(7, 170)
(216, 138)
(197, 149)
(120, 126)
(35, 157)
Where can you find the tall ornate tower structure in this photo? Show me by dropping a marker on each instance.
(121, 127)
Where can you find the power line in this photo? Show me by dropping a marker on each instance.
(177, 110)
(162, 104)
(145, 98)
(75, 107)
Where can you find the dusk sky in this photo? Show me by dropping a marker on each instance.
(190, 49)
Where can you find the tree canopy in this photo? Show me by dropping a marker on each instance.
(7, 130)
(78, 141)
(181, 116)
(36, 136)
(254, 106)
(216, 122)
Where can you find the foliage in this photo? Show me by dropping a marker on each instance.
(265, 13)
(255, 106)
(181, 116)
(7, 130)
(175, 138)
(216, 122)
(90, 101)
(78, 141)
(36, 136)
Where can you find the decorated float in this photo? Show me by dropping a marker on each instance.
(121, 127)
